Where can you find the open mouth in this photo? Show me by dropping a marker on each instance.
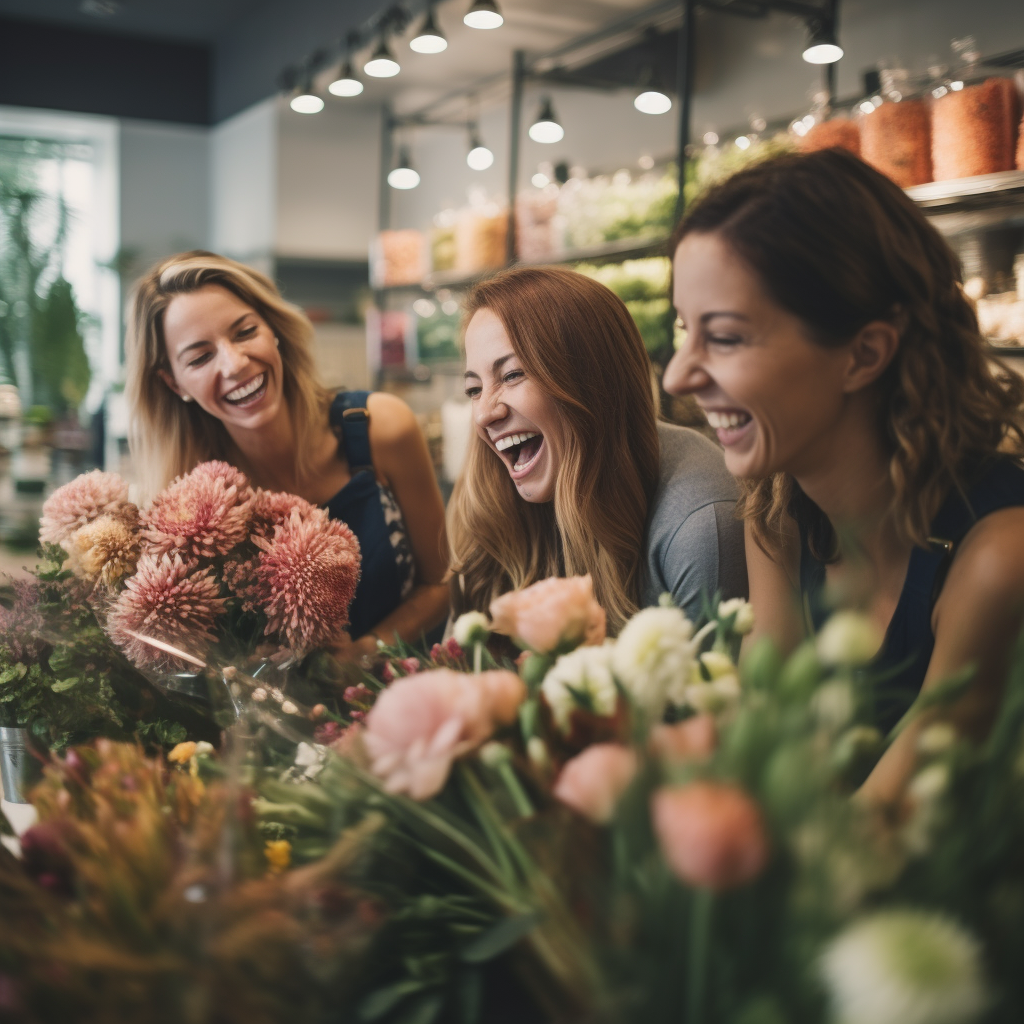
(520, 451)
(249, 392)
(729, 424)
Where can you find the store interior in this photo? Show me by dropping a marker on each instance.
(259, 130)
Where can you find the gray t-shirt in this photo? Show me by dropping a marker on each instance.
(694, 540)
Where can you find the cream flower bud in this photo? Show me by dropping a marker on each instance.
(848, 638)
(936, 739)
(581, 679)
(833, 705)
(471, 628)
(744, 612)
(929, 784)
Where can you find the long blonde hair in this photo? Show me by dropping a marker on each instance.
(839, 245)
(167, 436)
(577, 341)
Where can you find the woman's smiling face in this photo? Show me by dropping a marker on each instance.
(771, 393)
(518, 421)
(223, 355)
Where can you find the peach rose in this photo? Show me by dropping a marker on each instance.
(422, 723)
(592, 782)
(693, 739)
(550, 613)
(711, 834)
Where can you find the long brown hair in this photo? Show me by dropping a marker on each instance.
(167, 436)
(576, 340)
(840, 245)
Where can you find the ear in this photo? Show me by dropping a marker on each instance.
(870, 353)
(168, 378)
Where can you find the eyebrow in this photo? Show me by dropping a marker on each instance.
(722, 312)
(204, 341)
(495, 366)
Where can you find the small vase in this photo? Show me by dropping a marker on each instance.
(19, 768)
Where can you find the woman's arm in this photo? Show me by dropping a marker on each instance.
(976, 621)
(775, 592)
(402, 463)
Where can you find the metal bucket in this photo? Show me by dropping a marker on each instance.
(19, 767)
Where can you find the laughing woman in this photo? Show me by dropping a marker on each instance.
(880, 452)
(569, 471)
(219, 367)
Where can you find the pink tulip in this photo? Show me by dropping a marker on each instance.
(592, 782)
(711, 834)
(550, 613)
(693, 740)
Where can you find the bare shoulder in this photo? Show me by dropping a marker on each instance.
(989, 567)
(391, 420)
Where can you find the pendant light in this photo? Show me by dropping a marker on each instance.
(484, 14)
(346, 84)
(479, 157)
(305, 101)
(430, 38)
(404, 175)
(822, 47)
(546, 128)
(652, 98)
(382, 63)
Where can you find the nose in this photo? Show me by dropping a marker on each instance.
(684, 375)
(230, 359)
(489, 409)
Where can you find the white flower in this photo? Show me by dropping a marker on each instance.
(202, 747)
(929, 784)
(654, 652)
(713, 698)
(744, 612)
(936, 739)
(905, 967)
(848, 638)
(310, 758)
(833, 705)
(581, 679)
(470, 629)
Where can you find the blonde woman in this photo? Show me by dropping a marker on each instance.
(219, 367)
(569, 472)
(880, 451)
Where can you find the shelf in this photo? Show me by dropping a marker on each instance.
(970, 193)
(606, 252)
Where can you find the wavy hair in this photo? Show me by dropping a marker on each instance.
(839, 245)
(168, 437)
(576, 340)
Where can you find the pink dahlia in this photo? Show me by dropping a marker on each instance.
(86, 498)
(274, 508)
(167, 599)
(303, 579)
(202, 514)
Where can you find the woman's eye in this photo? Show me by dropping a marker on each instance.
(512, 375)
(472, 392)
(247, 332)
(199, 360)
(724, 339)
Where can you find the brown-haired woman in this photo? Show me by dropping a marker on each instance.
(219, 367)
(833, 350)
(569, 471)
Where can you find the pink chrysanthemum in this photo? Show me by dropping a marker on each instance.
(303, 579)
(86, 498)
(168, 599)
(274, 508)
(202, 514)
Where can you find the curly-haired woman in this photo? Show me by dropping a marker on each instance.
(830, 343)
(569, 471)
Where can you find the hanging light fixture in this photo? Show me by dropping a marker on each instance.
(305, 101)
(822, 47)
(430, 38)
(404, 175)
(484, 14)
(479, 156)
(546, 128)
(382, 63)
(652, 98)
(346, 84)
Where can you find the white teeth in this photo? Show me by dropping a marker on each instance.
(507, 442)
(246, 389)
(725, 420)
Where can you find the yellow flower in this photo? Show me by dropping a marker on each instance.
(182, 752)
(279, 855)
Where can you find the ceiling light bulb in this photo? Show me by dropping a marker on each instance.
(346, 84)
(429, 39)
(381, 63)
(823, 48)
(479, 157)
(653, 101)
(743, 142)
(546, 128)
(306, 101)
(403, 176)
(484, 14)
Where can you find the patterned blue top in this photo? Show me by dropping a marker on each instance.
(373, 515)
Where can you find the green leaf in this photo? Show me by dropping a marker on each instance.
(384, 1000)
(470, 995)
(63, 685)
(503, 936)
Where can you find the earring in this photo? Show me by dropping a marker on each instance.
(277, 341)
(187, 398)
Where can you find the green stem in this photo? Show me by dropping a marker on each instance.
(515, 790)
(478, 657)
(700, 935)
